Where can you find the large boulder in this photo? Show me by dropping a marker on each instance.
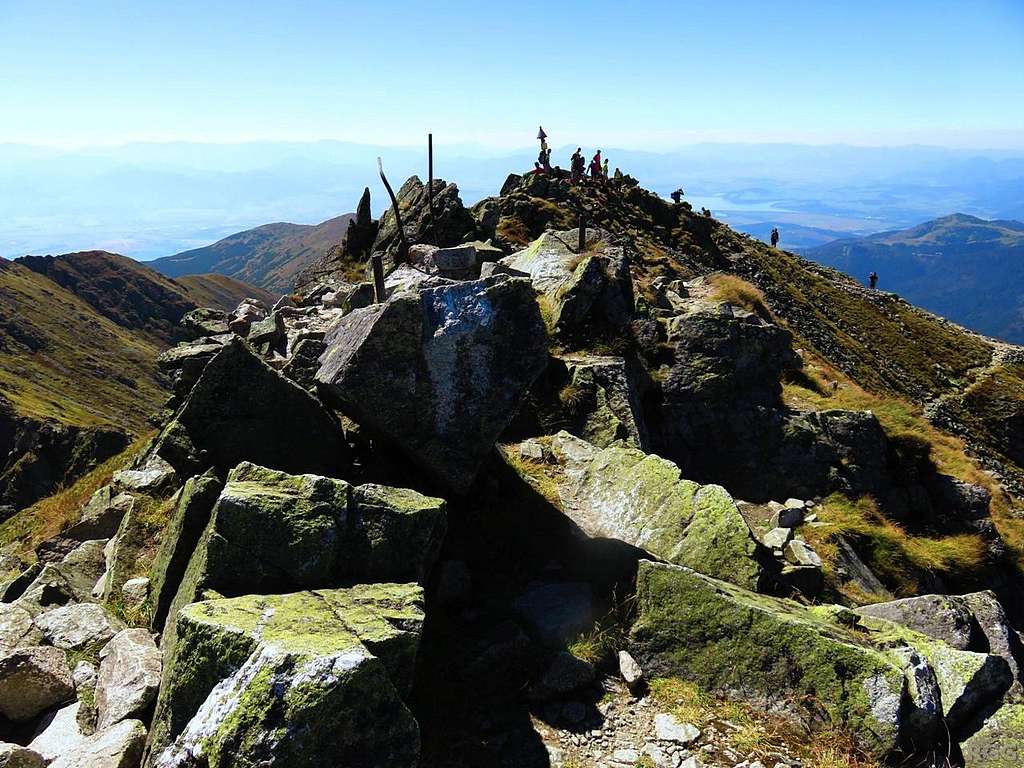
(584, 292)
(999, 741)
(70, 580)
(16, 628)
(14, 756)
(765, 649)
(622, 493)
(439, 372)
(59, 733)
(290, 679)
(32, 680)
(606, 403)
(180, 537)
(101, 515)
(273, 532)
(241, 409)
(119, 746)
(129, 677)
(78, 626)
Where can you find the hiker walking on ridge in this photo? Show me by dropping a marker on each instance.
(595, 166)
(775, 237)
(604, 169)
(873, 280)
(677, 196)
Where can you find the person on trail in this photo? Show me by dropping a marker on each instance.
(677, 195)
(604, 168)
(538, 169)
(618, 175)
(873, 280)
(576, 166)
(775, 237)
(595, 166)
(544, 160)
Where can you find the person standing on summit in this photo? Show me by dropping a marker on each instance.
(873, 280)
(576, 166)
(775, 237)
(595, 166)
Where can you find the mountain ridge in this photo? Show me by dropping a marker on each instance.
(967, 269)
(269, 256)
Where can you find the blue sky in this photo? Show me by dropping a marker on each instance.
(632, 74)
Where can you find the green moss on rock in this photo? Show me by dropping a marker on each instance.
(766, 649)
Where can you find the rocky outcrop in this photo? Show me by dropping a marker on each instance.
(33, 680)
(274, 532)
(586, 294)
(240, 409)
(290, 678)
(622, 493)
(439, 372)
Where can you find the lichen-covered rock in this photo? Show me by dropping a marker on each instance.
(392, 534)
(611, 409)
(77, 626)
(33, 680)
(129, 677)
(70, 580)
(180, 537)
(319, 667)
(241, 409)
(1000, 637)
(622, 493)
(999, 741)
(767, 649)
(943, 617)
(586, 292)
(15, 756)
(119, 746)
(101, 516)
(439, 372)
(968, 681)
(274, 532)
(16, 628)
(59, 733)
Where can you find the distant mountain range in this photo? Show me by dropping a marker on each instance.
(269, 256)
(959, 266)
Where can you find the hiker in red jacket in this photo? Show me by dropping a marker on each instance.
(595, 165)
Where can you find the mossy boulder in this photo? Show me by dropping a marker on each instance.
(620, 492)
(999, 740)
(180, 537)
(439, 371)
(274, 532)
(586, 291)
(241, 409)
(767, 650)
(305, 679)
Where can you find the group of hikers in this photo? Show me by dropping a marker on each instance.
(578, 168)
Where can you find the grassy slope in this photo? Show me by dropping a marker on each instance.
(269, 256)
(61, 359)
(221, 291)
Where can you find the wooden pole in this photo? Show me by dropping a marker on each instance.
(430, 185)
(403, 252)
(582, 245)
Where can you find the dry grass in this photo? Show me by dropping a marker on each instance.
(736, 290)
(754, 732)
(897, 558)
(903, 421)
(48, 517)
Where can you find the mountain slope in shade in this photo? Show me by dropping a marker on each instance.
(269, 256)
(964, 268)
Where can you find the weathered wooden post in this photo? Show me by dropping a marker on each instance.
(430, 186)
(403, 246)
(582, 244)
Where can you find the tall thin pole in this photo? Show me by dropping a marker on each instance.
(430, 185)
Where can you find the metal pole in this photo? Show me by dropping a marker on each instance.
(583, 234)
(430, 185)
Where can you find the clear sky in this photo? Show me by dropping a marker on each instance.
(631, 73)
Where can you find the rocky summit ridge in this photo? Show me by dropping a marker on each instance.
(597, 481)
